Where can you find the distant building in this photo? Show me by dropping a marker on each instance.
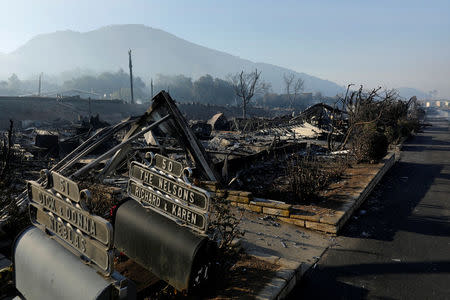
(436, 103)
(306, 96)
(75, 93)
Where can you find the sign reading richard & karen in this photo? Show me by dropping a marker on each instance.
(156, 187)
(159, 202)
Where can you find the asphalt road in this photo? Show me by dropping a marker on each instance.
(397, 246)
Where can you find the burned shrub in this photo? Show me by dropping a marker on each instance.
(223, 230)
(374, 120)
(407, 126)
(402, 129)
(224, 224)
(103, 198)
(308, 175)
(18, 220)
(400, 119)
(369, 145)
(362, 109)
(7, 156)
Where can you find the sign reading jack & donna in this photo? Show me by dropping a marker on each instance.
(84, 234)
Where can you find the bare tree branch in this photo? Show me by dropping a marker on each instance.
(362, 108)
(247, 85)
(293, 87)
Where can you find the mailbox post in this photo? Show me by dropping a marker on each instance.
(163, 225)
(68, 253)
(173, 253)
(43, 269)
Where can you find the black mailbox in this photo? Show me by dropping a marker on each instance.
(173, 253)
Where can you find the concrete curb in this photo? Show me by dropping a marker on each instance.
(291, 272)
(389, 162)
(285, 280)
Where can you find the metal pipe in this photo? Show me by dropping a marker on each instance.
(95, 145)
(59, 167)
(118, 147)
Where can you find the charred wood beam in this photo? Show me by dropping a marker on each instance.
(177, 127)
(187, 137)
(121, 154)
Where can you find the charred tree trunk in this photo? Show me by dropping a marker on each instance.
(244, 110)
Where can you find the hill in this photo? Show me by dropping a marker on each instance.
(407, 93)
(154, 51)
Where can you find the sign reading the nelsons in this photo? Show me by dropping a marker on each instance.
(189, 194)
(156, 188)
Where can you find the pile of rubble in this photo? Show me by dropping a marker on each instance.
(234, 152)
(234, 160)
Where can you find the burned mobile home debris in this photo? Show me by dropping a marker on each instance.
(147, 188)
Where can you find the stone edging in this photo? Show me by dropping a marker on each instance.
(330, 223)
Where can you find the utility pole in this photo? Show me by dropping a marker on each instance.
(151, 87)
(131, 75)
(39, 89)
(90, 114)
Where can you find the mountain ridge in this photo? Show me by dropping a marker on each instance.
(154, 51)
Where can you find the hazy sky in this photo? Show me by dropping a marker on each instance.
(391, 43)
